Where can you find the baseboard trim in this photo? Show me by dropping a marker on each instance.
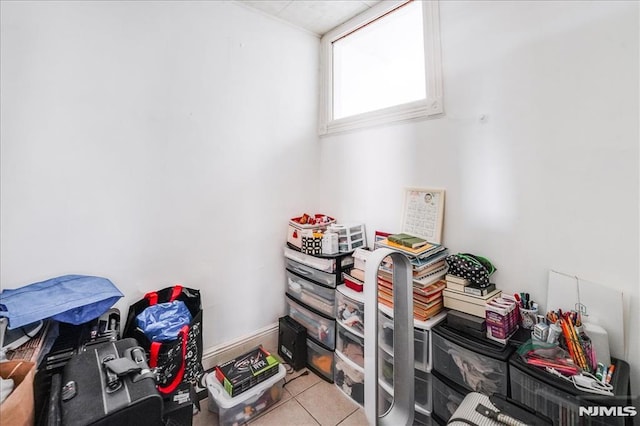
(266, 336)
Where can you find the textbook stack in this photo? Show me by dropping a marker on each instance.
(429, 269)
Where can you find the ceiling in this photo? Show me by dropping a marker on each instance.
(317, 16)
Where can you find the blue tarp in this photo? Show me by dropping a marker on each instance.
(73, 299)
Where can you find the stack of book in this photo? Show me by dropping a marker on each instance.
(468, 297)
(429, 268)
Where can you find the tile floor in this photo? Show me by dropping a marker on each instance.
(307, 400)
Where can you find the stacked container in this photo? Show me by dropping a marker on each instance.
(311, 301)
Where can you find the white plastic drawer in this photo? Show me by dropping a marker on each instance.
(325, 278)
(329, 264)
(385, 367)
(470, 369)
(320, 263)
(349, 378)
(318, 327)
(350, 309)
(423, 391)
(385, 398)
(350, 345)
(422, 387)
(420, 342)
(320, 360)
(311, 294)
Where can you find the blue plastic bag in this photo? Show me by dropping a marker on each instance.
(73, 299)
(162, 322)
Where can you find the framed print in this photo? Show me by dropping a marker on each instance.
(423, 213)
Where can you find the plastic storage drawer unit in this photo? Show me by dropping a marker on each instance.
(319, 327)
(559, 400)
(320, 360)
(350, 308)
(247, 405)
(476, 364)
(311, 294)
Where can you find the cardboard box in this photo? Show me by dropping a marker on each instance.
(19, 407)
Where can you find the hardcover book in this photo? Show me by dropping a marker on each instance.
(455, 286)
(477, 290)
(456, 279)
(407, 240)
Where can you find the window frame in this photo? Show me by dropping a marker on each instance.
(431, 105)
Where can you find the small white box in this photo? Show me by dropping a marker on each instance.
(240, 409)
(330, 243)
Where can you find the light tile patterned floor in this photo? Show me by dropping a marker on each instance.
(307, 400)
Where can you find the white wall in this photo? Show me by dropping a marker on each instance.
(162, 142)
(154, 143)
(550, 179)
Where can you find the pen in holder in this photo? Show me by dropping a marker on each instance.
(528, 317)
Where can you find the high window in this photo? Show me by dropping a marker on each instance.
(382, 66)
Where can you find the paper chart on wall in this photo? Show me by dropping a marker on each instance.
(600, 305)
(423, 213)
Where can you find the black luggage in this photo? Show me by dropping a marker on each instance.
(110, 384)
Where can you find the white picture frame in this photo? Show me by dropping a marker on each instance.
(423, 213)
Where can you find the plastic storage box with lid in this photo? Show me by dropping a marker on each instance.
(350, 236)
(350, 309)
(247, 405)
(558, 399)
(422, 332)
(325, 269)
(319, 327)
(311, 294)
(479, 365)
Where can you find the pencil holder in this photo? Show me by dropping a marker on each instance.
(528, 318)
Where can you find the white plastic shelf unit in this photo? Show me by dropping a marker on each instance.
(311, 301)
(349, 366)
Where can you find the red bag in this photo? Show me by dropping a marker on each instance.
(179, 360)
